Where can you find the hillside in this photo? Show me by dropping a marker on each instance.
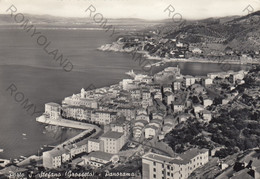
(240, 33)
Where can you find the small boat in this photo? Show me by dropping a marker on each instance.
(24, 134)
(1, 150)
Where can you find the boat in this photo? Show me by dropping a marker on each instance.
(24, 134)
(1, 150)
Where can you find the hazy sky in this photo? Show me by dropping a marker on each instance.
(145, 9)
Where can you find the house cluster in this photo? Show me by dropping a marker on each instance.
(144, 107)
(231, 80)
(94, 152)
(164, 48)
(180, 166)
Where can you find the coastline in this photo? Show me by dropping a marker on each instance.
(116, 47)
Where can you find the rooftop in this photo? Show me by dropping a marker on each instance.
(120, 120)
(53, 104)
(112, 134)
(101, 155)
(190, 154)
(179, 159)
(94, 140)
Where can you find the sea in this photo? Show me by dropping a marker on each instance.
(25, 65)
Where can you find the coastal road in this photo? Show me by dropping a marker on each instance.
(67, 123)
(71, 124)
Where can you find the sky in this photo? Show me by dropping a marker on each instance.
(144, 9)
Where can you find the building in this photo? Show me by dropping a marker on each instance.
(206, 81)
(113, 141)
(169, 97)
(128, 84)
(176, 85)
(150, 131)
(128, 112)
(207, 102)
(181, 166)
(157, 115)
(76, 112)
(121, 125)
(146, 94)
(206, 115)
(166, 87)
(157, 95)
(52, 110)
(189, 80)
(137, 131)
(142, 117)
(135, 94)
(53, 158)
(103, 117)
(78, 148)
(198, 108)
(147, 102)
(237, 76)
(76, 100)
(177, 106)
(95, 145)
(197, 51)
(98, 158)
(156, 122)
(65, 157)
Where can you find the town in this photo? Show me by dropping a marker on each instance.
(137, 127)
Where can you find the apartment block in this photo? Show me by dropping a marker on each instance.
(156, 166)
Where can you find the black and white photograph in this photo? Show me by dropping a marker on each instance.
(129, 89)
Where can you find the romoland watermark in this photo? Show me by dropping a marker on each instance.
(101, 20)
(20, 98)
(41, 39)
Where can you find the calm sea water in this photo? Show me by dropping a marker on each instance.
(41, 80)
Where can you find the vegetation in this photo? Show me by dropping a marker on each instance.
(233, 128)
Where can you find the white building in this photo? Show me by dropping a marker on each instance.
(128, 84)
(207, 81)
(103, 117)
(121, 125)
(169, 97)
(77, 149)
(98, 158)
(207, 102)
(197, 51)
(52, 158)
(150, 131)
(156, 166)
(95, 145)
(53, 110)
(189, 80)
(177, 106)
(142, 117)
(113, 141)
(206, 115)
(176, 85)
(76, 100)
(76, 112)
